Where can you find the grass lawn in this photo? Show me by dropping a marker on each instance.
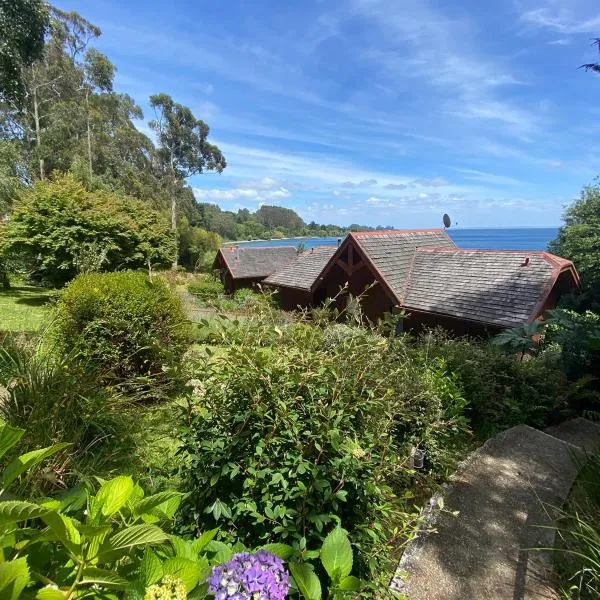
(23, 308)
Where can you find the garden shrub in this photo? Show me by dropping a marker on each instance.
(206, 288)
(123, 324)
(58, 229)
(118, 539)
(285, 441)
(56, 401)
(502, 389)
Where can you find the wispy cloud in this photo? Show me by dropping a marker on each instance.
(563, 16)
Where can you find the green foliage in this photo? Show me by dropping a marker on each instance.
(23, 25)
(123, 324)
(57, 401)
(196, 244)
(579, 241)
(57, 224)
(206, 288)
(577, 550)
(502, 390)
(284, 438)
(519, 339)
(115, 543)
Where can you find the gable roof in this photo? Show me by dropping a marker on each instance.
(500, 288)
(256, 261)
(303, 272)
(391, 252)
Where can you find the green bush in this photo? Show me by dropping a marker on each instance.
(58, 229)
(206, 288)
(287, 440)
(56, 400)
(502, 389)
(123, 324)
(114, 543)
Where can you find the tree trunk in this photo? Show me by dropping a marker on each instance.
(174, 215)
(89, 135)
(36, 117)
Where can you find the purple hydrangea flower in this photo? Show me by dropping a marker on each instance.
(259, 576)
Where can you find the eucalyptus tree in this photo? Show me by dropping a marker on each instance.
(183, 147)
(23, 25)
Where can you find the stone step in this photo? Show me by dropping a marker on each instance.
(505, 493)
(578, 432)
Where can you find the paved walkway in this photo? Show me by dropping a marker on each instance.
(503, 493)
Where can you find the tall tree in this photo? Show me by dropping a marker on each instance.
(593, 66)
(579, 241)
(23, 25)
(183, 147)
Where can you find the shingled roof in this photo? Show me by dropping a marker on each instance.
(502, 288)
(256, 261)
(303, 272)
(392, 252)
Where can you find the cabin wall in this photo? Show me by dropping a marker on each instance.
(417, 321)
(375, 303)
(291, 298)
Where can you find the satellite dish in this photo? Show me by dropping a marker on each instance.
(447, 221)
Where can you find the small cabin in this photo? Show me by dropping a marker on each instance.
(246, 266)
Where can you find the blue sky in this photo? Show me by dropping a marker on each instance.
(382, 112)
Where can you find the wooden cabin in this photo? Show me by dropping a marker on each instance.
(295, 281)
(246, 266)
(476, 292)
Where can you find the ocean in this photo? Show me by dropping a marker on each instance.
(515, 238)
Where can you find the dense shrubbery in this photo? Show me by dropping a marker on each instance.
(114, 543)
(59, 229)
(55, 400)
(123, 324)
(206, 288)
(286, 440)
(501, 389)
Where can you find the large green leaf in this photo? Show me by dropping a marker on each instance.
(64, 530)
(104, 578)
(9, 436)
(48, 593)
(306, 580)
(137, 535)
(28, 461)
(282, 550)
(185, 569)
(14, 576)
(157, 501)
(13, 511)
(150, 568)
(112, 496)
(201, 543)
(336, 554)
(350, 584)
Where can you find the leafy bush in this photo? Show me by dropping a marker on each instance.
(577, 549)
(58, 229)
(285, 441)
(501, 389)
(206, 287)
(114, 543)
(123, 324)
(56, 401)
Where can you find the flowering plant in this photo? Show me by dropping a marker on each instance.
(259, 576)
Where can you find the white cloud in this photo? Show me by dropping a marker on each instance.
(246, 193)
(484, 177)
(573, 16)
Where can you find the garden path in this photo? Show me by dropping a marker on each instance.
(503, 493)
